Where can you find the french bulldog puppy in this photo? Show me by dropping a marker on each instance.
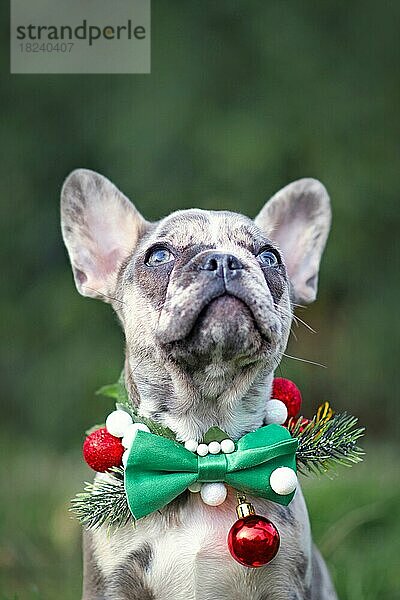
(205, 299)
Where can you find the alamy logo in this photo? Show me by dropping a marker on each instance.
(105, 36)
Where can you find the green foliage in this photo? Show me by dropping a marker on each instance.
(94, 428)
(117, 391)
(156, 427)
(103, 502)
(215, 434)
(325, 444)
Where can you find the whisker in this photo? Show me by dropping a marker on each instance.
(311, 362)
(133, 367)
(296, 319)
(104, 295)
(287, 313)
(305, 324)
(278, 366)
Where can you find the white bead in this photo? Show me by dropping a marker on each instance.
(118, 422)
(131, 432)
(195, 487)
(214, 447)
(213, 494)
(202, 450)
(191, 445)
(125, 457)
(276, 412)
(227, 446)
(283, 481)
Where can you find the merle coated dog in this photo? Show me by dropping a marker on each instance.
(205, 299)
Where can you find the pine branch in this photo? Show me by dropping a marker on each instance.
(327, 442)
(103, 502)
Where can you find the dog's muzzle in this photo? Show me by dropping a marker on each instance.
(206, 277)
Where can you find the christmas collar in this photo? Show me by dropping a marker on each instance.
(146, 468)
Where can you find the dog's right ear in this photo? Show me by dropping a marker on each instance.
(298, 219)
(100, 228)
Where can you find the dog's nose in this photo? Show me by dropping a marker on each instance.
(221, 264)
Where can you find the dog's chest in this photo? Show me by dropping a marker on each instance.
(187, 557)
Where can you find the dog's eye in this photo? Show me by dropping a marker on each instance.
(268, 258)
(159, 256)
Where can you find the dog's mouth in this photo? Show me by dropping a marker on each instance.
(225, 328)
(230, 310)
(226, 309)
(220, 314)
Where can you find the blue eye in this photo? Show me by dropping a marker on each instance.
(267, 258)
(159, 256)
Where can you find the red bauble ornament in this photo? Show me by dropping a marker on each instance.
(253, 541)
(288, 392)
(101, 450)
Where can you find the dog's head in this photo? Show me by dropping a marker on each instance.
(203, 296)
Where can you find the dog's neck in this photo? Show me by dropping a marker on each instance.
(190, 402)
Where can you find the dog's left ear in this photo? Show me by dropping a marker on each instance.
(100, 227)
(298, 219)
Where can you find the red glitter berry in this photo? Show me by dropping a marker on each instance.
(288, 392)
(101, 450)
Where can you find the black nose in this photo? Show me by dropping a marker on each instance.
(221, 264)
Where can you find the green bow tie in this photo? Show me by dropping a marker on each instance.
(159, 469)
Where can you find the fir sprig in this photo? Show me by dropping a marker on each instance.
(326, 443)
(103, 502)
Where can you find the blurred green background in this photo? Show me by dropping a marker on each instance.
(244, 96)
